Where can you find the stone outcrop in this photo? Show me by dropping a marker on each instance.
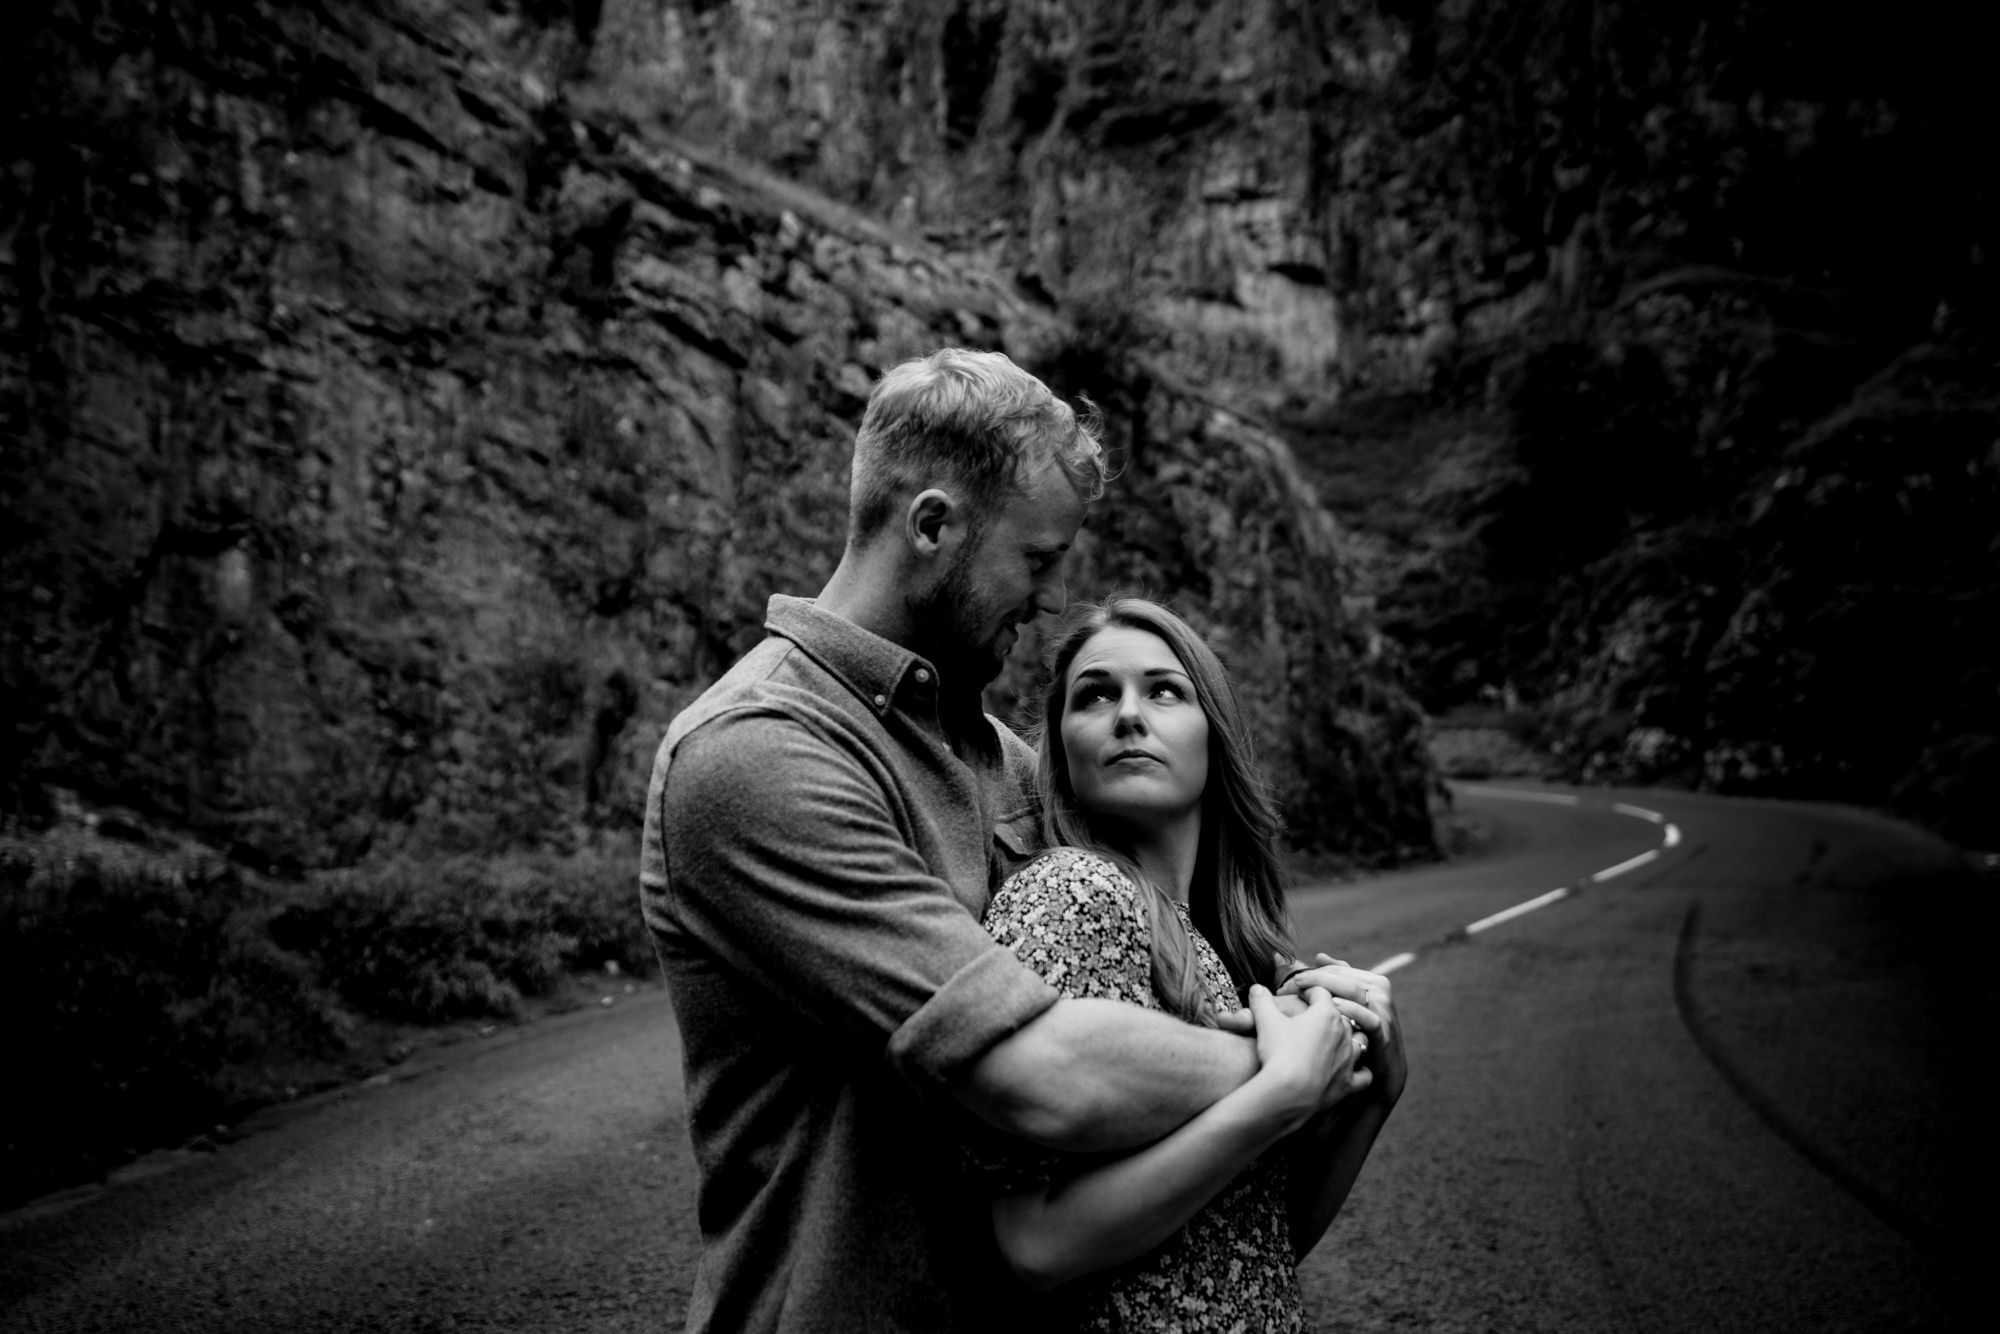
(408, 415)
(1304, 199)
(1637, 263)
(1165, 161)
(411, 401)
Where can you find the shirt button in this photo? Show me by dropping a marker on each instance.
(881, 701)
(923, 676)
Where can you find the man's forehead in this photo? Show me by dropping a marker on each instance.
(1045, 510)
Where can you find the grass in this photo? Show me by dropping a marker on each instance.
(165, 993)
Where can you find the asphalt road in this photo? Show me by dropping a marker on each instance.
(1727, 1088)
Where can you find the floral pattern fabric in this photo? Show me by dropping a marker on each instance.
(1079, 921)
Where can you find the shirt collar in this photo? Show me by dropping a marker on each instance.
(877, 670)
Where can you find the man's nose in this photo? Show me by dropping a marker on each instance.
(1050, 595)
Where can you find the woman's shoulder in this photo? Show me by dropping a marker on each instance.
(1075, 871)
(1069, 884)
(1075, 917)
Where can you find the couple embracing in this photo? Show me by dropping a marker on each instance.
(978, 1034)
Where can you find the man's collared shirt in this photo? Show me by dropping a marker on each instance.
(817, 855)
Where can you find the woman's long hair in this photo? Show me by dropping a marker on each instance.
(1237, 897)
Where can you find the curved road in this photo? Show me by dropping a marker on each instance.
(1722, 1089)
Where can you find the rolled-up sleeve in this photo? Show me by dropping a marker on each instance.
(983, 1002)
(784, 857)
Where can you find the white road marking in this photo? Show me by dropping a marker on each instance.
(1517, 794)
(1508, 914)
(1621, 868)
(1670, 837)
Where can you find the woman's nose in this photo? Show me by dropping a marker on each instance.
(1130, 719)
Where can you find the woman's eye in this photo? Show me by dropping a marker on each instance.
(1089, 695)
(1170, 690)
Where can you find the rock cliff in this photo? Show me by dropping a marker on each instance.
(1164, 161)
(1308, 198)
(410, 409)
(1613, 318)
(413, 400)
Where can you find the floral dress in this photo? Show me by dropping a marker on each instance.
(1080, 922)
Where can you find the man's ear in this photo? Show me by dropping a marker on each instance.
(934, 524)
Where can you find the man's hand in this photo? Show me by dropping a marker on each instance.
(1243, 1021)
(1369, 1006)
(1307, 1061)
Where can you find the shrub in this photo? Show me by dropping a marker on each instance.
(164, 992)
(466, 937)
(154, 1004)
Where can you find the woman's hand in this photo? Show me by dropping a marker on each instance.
(1307, 1060)
(1370, 1006)
(1122, 1208)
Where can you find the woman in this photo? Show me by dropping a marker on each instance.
(1164, 890)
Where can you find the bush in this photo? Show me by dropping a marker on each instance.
(154, 1003)
(466, 937)
(164, 993)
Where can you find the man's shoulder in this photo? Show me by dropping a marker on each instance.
(749, 731)
(774, 680)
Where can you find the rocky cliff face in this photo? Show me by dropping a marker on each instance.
(413, 400)
(1305, 199)
(409, 411)
(1717, 484)
(1627, 286)
(1164, 163)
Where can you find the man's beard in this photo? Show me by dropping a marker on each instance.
(948, 631)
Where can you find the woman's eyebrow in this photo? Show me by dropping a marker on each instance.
(1150, 671)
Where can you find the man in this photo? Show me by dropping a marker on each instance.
(822, 829)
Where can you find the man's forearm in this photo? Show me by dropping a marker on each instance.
(1093, 1076)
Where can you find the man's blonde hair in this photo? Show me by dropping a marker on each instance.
(972, 422)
